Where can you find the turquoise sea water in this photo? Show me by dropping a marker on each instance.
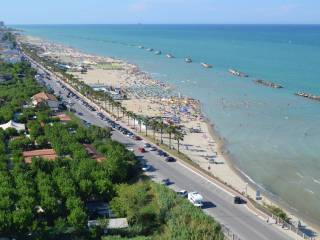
(272, 135)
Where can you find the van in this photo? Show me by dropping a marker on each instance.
(196, 199)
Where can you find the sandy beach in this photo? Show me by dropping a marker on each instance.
(148, 97)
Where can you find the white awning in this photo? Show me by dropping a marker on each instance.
(12, 124)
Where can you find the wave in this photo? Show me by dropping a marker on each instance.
(250, 179)
(309, 191)
(316, 181)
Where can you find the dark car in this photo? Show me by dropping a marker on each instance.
(160, 153)
(166, 182)
(239, 200)
(165, 154)
(137, 138)
(170, 159)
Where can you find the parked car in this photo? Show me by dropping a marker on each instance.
(239, 200)
(183, 193)
(196, 199)
(137, 138)
(152, 148)
(160, 152)
(147, 145)
(142, 150)
(170, 159)
(165, 154)
(146, 167)
(166, 182)
(129, 134)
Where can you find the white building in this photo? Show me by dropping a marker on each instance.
(12, 124)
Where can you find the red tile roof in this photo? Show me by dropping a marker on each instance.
(42, 96)
(48, 154)
(93, 152)
(63, 117)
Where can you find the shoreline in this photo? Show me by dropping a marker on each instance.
(269, 197)
(220, 145)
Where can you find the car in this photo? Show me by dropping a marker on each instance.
(239, 200)
(170, 159)
(137, 138)
(147, 145)
(80, 113)
(196, 199)
(183, 193)
(131, 149)
(165, 154)
(153, 148)
(166, 181)
(160, 152)
(129, 134)
(146, 167)
(142, 150)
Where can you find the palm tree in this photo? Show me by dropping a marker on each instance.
(154, 124)
(140, 119)
(178, 136)
(113, 103)
(129, 115)
(170, 130)
(118, 106)
(134, 117)
(161, 126)
(124, 111)
(146, 123)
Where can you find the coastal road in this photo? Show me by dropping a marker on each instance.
(218, 203)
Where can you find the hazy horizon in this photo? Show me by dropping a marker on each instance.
(161, 12)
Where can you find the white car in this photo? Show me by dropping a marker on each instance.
(196, 199)
(146, 168)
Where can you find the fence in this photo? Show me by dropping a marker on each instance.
(293, 228)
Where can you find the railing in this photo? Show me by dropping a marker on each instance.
(291, 227)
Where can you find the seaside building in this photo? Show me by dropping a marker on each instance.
(47, 99)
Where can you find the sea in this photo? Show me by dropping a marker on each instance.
(272, 136)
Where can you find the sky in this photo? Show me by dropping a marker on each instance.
(160, 11)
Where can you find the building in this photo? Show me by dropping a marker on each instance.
(12, 124)
(93, 153)
(113, 223)
(48, 154)
(63, 117)
(50, 100)
(1, 24)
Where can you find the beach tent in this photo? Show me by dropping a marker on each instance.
(12, 124)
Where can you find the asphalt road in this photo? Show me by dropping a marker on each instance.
(218, 203)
